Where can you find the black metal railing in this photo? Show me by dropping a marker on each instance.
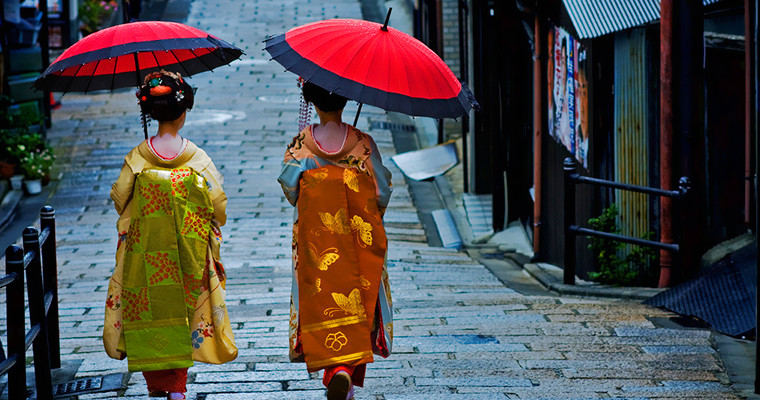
(572, 230)
(37, 260)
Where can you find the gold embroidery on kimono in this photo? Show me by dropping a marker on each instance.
(339, 226)
(166, 296)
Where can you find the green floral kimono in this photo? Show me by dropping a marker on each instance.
(165, 305)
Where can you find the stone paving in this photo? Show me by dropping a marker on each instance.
(460, 333)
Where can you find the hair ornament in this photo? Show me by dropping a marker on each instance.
(179, 95)
(155, 82)
(160, 90)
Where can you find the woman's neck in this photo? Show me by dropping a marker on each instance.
(167, 143)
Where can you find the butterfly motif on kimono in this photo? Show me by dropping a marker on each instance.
(351, 304)
(324, 259)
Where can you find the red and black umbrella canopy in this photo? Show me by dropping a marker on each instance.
(373, 64)
(121, 56)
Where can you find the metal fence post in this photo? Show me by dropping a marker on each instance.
(36, 296)
(569, 268)
(14, 264)
(50, 283)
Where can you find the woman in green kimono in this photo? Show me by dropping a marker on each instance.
(165, 305)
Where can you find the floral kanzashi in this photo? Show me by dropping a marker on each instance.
(336, 341)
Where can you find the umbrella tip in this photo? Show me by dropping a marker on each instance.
(387, 18)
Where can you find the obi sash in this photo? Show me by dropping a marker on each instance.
(164, 263)
(341, 251)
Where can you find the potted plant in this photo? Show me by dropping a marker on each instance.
(96, 15)
(16, 137)
(36, 165)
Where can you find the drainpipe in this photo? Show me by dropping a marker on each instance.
(748, 106)
(666, 137)
(537, 125)
(755, 85)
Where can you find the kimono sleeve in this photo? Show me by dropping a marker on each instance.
(290, 175)
(382, 177)
(215, 180)
(122, 189)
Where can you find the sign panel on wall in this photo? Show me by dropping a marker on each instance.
(568, 94)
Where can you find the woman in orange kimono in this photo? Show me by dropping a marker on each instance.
(165, 306)
(340, 311)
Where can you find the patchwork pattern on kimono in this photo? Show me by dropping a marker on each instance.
(165, 262)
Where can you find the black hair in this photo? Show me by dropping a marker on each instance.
(323, 99)
(165, 96)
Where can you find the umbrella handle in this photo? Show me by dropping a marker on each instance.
(356, 118)
(387, 18)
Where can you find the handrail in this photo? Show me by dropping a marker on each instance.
(572, 230)
(36, 266)
(676, 194)
(7, 279)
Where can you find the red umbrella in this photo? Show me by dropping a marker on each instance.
(374, 64)
(122, 55)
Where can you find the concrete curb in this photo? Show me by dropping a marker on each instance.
(551, 277)
(8, 206)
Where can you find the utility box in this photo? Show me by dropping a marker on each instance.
(27, 59)
(21, 88)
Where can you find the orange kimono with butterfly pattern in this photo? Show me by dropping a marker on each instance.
(340, 303)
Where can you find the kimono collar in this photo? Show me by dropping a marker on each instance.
(352, 139)
(181, 159)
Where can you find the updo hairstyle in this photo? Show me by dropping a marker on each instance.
(165, 96)
(323, 99)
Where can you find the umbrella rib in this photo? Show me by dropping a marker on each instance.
(217, 56)
(87, 88)
(113, 75)
(158, 64)
(178, 62)
(201, 60)
(72, 78)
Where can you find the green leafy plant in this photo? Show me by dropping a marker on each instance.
(632, 268)
(15, 147)
(94, 13)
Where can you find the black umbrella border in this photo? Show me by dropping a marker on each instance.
(454, 107)
(51, 79)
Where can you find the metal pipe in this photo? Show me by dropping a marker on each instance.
(756, 86)
(538, 133)
(748, 107)
(464, 77)
(666, 137)
(44, 40)
(569, 217)
(577, 230)
(626, 186)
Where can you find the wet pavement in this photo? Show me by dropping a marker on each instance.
(460, 332)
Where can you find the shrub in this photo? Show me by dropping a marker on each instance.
(633, 268)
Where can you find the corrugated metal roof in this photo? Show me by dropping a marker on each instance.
(593, 18)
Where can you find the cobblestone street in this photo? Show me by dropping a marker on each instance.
(459, 332)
